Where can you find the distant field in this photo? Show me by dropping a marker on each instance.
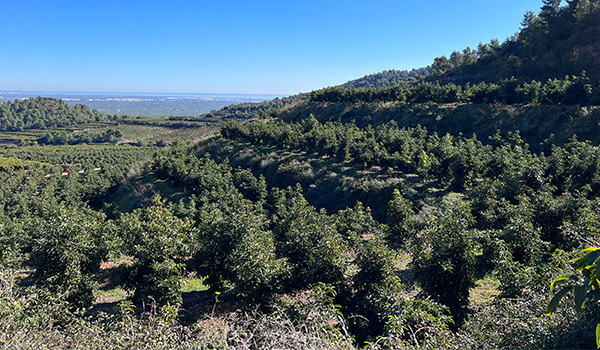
(12, 163)
(131, 133)
(153, 134)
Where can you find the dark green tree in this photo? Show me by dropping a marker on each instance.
(444, 257)
(158, 242)
(66, 253)
(400, 218)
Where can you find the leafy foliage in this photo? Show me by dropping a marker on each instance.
(67, 250)
(42, 112)
(557, 41)
(400, 218)
(387, 78)
(445, 258)
(11, 164)
(584, 284)
(275, 219)
(569, 90)
(236, 249)
(64, 138)
(158, 243)
(308, 239)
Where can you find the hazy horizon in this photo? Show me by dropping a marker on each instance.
(144, 103)
(146, 93)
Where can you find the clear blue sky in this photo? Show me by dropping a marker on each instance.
(279, 47)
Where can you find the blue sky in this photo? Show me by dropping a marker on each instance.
(278, 47)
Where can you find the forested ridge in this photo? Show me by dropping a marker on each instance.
(42, 112)
(403, 210)
(387, 78)
(560, 40)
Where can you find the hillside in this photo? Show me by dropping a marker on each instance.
(540, 126)
(249, 110)
(387, 78)
(559, 41)
(41, 112)
(531, 83)
(544, 83)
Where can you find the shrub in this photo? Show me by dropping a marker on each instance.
(309, 240)
(67, 252)
(157, 240)
(399, 218)
(234, 248)
(444, 258)
(377, 289)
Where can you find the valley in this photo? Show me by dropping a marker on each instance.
(454, 206)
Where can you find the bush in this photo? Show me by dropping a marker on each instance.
(157, 240)
(377, 289)
(309, 240)
(67, 252)
(234, 248)
(444, 258)
(399, 218)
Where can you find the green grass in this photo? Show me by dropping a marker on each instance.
(485, 290)
(194, 284)
(116, 294)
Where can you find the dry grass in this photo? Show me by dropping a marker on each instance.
(32, 319)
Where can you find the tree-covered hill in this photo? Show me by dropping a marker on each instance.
(42, 112)
(535, 83)
(388, 78)
(540, 126)
(251, 109)
(560, 40)
(544, 83)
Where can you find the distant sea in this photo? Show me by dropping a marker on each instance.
(143, 103)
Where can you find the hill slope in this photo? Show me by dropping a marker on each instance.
(388, 78)
(42, 112)
(556, 42)
(526, 88)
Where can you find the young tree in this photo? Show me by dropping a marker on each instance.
(441, 65)
(234, 248)
(399, 218)
(157, 241)
(444, 258)
(308, 239)
(66, 253)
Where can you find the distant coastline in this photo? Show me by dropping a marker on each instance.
(35, 93)
(149, 104)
